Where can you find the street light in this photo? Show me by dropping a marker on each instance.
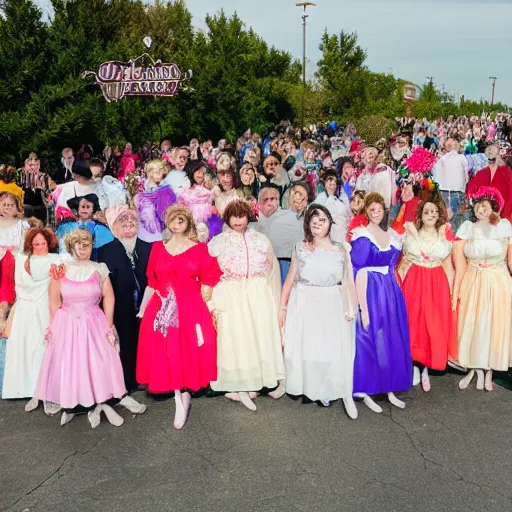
(304, 5)
(493, 78)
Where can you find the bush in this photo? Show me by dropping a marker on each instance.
(373, 128)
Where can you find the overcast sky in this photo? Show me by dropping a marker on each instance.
(461, 43)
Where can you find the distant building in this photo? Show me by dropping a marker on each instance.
(411, 92)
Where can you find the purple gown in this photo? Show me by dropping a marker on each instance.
(383, 361)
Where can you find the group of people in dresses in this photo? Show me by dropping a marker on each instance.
(251, 274)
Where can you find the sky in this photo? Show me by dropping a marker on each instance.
(461, 43)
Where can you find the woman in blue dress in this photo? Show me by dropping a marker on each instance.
(383, 359)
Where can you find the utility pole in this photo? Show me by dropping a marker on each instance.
(430, 79)
(493, 78)
(305, 16)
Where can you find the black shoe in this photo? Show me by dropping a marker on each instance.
(306, 400)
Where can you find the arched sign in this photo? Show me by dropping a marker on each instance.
(118, 79)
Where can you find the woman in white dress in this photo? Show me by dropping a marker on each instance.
(30, 316)
(484, 288)
(318, 306)
(247, 299)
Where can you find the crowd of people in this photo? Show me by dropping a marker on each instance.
(324, 268)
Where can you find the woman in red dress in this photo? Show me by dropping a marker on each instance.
(497, 175)
(427, 274)
(177, 348)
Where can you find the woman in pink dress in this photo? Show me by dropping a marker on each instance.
(177, 348)
(81, 365)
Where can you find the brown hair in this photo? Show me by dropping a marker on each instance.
(494, 218)
(373, 197)
(49, 236)
(178, 210)
(78, 236)
(441, 207)
(312, 211)
(237, 208)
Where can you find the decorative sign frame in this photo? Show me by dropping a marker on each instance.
(119, 79)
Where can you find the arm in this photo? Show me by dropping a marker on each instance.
(348, 288)
(108, 301)
(54, 295)
(287, 288)
(361, 288)
(449, 271)
(461, 266)
(509, 255)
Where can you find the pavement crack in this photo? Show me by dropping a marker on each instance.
(428, 460)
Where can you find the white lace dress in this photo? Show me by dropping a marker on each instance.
(319, 341)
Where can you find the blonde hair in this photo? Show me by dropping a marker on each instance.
(225, 162)
(155, 163)
(78, 236)
(178, 210)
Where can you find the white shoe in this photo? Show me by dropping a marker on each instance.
(112, 416)
(425, 381)
(66, 418)
(32, 405)
(132, 405)
(246, 400)
(278, 392)
(488, 381)
(182, 410)
(416, 377)
(94, 416)
(51, 409)
(480, 380)
(350, 408)
(396, 401)
(372, 405)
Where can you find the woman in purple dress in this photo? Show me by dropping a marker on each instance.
(383, 359)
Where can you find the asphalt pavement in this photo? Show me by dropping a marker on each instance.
(448, 450)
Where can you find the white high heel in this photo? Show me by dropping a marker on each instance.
(246, 400)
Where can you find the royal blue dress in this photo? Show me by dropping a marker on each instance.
(383, 361)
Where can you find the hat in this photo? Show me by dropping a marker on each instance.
(114, 213)
(92, 198)
(487, 194)
(81, 169)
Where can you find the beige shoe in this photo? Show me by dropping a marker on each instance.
(32, 405)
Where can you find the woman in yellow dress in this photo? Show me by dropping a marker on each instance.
(483, 289)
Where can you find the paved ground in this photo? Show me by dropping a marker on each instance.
(447, 451)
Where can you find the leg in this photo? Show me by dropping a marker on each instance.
(464, 383)
(425, 380)
(396, 401)
(480, 380)
(488, 381)
(246, 400)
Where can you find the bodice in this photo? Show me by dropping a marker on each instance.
(33, 287)
(426, 252)
(241, 255)
(224, 198)
(81, 295)
(13, 235)
(319, 267)
(199, 199)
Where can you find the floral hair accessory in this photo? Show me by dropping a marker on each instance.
(417, 169)
(57, 272)
(486, 194)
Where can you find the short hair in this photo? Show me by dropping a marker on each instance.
(96, 162)
(441, 207)
(155, 163)
(49, 236)
(264, 190)
(16, 200)
(374, 197)
(237, 208)
(179, 210)
(312, 211)
(77, 236)
(199, 164)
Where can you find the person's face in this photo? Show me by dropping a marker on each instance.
(181, 159)
(222, 144)
(347, 171)
(226, 180)
(375, 213)
(270, 166)
(82, 250)
(96, 170)
(8, 207)
(319, 225)
(85, 210)
(331, 186)
(299, 199)
(247, 177)
(199, 176)
(269, 203)
(483, 210)
(238, 224)
(166, 145)
(128, 149)
(194, 144)
(33, 165)
(430, 215)
(39, 245)
(178, 225)
(309, 155)
(156, 174)
(128, 225)
(369, 159)
(407, 193)
(356, 205)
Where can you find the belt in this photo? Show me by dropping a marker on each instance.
(284, 259)
(452, 191)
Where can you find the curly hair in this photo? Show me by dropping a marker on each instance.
(16, 200)
(77, 236)
(237, 208)
(494, 218)
(373, 197)
(438, 202)
(312, 211)
(48, 235)
(179, 210)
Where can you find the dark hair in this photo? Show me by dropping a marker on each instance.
(237, 208)
(236, 178)
(441, 207)
(199, 164)
(49, 236)
(96, 162)
(494, 218)
(312, 211)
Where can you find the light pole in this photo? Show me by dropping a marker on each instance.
(493, 78)
(304, 6)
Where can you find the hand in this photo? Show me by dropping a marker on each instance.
(349, 317)
(365, 319)
(47, 336)
(455, 303)
(27, 266)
